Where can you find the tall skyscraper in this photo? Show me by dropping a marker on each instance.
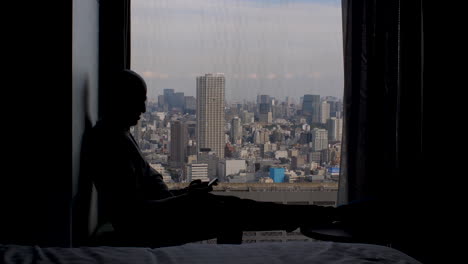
(265, 115)
(311, 107)
(161, 101)
(178, 143)
(336, 109)
(263, 99)
(169, 97)
(334, 127)
(179, 101)
(324, 112)
(236, 130)
(210, 113)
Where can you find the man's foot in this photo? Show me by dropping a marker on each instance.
(321, 216)
(353, 222)
(357, 211)
(364, 220)
(291, 228)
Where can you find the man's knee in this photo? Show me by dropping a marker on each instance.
(233, 236)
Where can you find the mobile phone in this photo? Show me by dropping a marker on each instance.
(213, 182)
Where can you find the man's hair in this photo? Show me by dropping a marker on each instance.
(128, 81)
(125, 86)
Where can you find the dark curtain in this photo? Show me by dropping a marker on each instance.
(371, 98)
(382, 151)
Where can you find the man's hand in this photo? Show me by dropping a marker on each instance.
(197, 186)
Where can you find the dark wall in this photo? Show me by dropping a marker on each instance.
(35, 153)
(50, 84)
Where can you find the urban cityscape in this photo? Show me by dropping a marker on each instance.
(281, 150)
(269, 127)
(269, 140)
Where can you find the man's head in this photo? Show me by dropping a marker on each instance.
(127, 98)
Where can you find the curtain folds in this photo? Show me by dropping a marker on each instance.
(382, 96)
(371, 98)
(382, 149)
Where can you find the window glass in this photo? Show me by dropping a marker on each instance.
(249, 91)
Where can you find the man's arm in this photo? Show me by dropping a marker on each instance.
(196, 186)
(178, 192)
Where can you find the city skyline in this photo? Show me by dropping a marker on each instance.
(240, 142)
(292, 99)
(280, 48)
(308, 152)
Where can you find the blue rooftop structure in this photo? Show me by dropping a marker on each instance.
(277, 174)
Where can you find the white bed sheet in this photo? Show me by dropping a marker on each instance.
(271, 253)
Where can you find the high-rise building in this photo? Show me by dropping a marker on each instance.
(326, 155)
(334, 127)
(210, 113)
(336, 109)
(236, 131)
(263, 99)
(265, 115)
(311, 107)
(319, 139)
(161, 101)
(190, 104)
(264, 108)
(192, 130)
(169, 97)
(179, 101)
(178, 143)
(324, 112)
(266, 118)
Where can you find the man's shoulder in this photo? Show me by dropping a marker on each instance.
(102, 133)
(107, 129)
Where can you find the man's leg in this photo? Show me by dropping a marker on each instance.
(190, 218)
(253, 215)
(204, 216)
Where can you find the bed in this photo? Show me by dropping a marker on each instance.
(271, 252)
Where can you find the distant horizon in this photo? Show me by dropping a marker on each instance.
(279, 48)
(252, 100)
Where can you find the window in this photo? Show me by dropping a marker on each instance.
(249, 91)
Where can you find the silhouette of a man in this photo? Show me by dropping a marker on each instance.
(140, 206)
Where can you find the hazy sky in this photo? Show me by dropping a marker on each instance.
(276, 47)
